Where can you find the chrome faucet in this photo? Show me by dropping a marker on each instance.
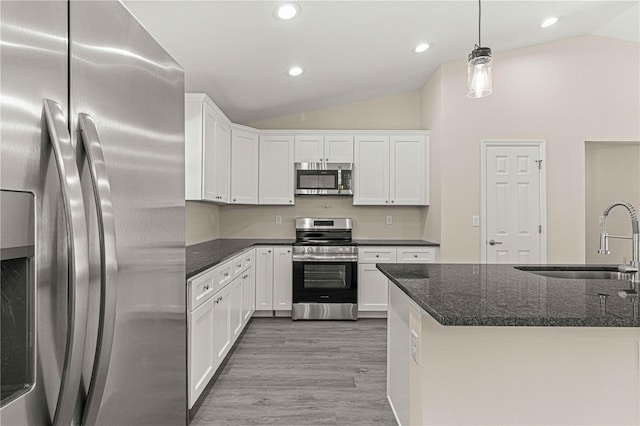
(634, 264)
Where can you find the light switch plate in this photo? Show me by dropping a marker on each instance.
(278, 220)
(475, 220)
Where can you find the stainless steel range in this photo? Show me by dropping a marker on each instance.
(325, 282)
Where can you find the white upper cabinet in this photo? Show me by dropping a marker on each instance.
(408, 170)
(276, 167)
(323, 148)
(391, 169)
(207, 140)
(338, 148)
(371, 170)
(244, 167)
(309, 148)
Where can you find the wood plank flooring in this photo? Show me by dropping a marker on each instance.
(303, 373)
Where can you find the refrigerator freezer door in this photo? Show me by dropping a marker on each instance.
(34, 67)
(134, 92)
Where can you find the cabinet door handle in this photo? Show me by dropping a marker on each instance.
(239, 265)
(326, 159)
(494, 242)
(386, 201)
(226, 274)
(392, 201)
(415, 255)
(206, 287)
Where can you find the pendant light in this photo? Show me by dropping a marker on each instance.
(479, 66)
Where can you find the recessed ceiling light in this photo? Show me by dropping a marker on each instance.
(294, 71)
(421, 47)
(549, 22)
(286, 11)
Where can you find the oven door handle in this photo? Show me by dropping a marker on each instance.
(324, 258)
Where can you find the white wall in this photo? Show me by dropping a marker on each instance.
(564, 92)
(368, 222)
(202, 222)
(394, 112)
(612, 173)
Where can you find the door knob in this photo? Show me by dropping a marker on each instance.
(494, 242)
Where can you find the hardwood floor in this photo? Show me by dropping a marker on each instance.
(303, 373)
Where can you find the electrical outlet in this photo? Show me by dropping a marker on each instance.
(415, 347)
(389, 220)
(278, 220)
(475, 220)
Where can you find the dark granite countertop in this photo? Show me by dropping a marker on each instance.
(368, 242)
(202, 256)
(500, 295)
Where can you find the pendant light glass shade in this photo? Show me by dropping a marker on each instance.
(479, 73)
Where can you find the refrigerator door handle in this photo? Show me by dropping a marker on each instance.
(78, 259)
(108, 265)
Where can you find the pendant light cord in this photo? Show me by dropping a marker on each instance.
(479, 21)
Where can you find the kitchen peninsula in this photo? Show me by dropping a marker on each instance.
(491, 344)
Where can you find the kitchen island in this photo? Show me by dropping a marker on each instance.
(491, 344)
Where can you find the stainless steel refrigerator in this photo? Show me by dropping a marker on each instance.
(92, 219)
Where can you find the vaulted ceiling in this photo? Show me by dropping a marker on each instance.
(238, 53)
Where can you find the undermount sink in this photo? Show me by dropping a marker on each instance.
(576, 274)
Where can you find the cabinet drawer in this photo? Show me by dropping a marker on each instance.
(237, 265)
(417, 255)
(376, 255)
(248, 259)
(222, 275)
(200, 289)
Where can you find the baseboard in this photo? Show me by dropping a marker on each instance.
(263, 314)
(372, 314)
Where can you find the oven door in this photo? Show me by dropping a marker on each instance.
(325, 282)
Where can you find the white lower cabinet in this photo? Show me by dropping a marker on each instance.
(373, 285)
(282, 278)
(274, 278)
(216, 320)
(372, 289)
(264, 279)
(201, 357)
(248, 294)
(221, 324)
(236, 302)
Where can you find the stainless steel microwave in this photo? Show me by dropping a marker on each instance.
(324, 179)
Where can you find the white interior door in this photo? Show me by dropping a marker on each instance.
(513, 219)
